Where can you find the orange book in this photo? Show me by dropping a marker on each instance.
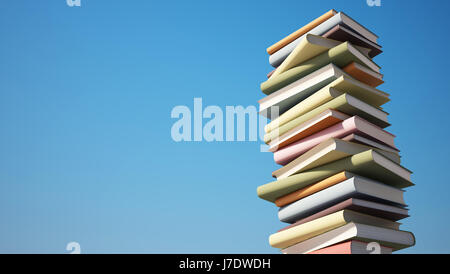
(302, 193)
(363, 74)
(351, 247)
(291, 37)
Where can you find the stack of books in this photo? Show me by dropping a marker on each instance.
(341, 185)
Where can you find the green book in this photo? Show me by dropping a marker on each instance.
(369, 164)
(344, 103)
(340, 55)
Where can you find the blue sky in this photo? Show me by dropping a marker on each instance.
(86, 94)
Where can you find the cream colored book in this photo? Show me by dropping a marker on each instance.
(300, 233)
(326, 152)
(310, 46)
(395, 239)
(343, 84)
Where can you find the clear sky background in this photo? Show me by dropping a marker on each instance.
(85, 99)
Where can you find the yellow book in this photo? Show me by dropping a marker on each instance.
(342, 84)
(302, 232)
(309, 47)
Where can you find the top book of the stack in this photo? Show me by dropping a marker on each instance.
(334, 25)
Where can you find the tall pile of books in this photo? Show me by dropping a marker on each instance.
(340, 188)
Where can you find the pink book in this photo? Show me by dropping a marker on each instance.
(352, 247)
(351, 125)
